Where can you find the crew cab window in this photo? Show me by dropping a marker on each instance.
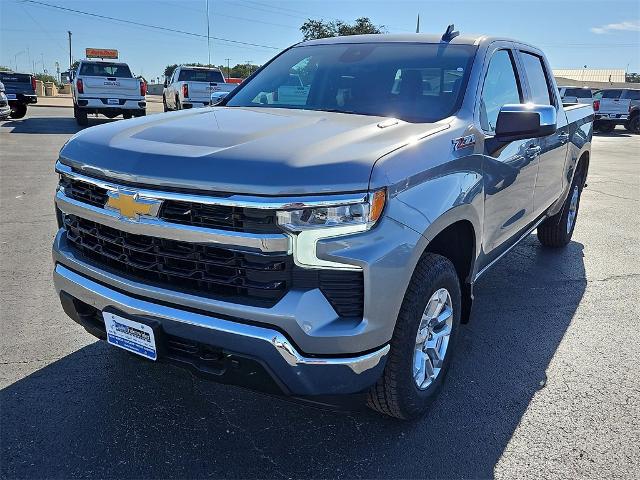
(537, 79)
(412, 82)
(105, 70)
(211, 76)
(500, 88)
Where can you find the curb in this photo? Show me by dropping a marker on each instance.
(50, 106)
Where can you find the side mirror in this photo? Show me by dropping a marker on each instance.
(520, 121)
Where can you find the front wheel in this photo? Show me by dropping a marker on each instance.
(19, 110)
(423, 341)
(556, 231)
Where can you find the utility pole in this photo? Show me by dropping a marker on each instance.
(418, 25)
(228, 69)
(249, 66)
(70, 61)
(208, 36)
(44, 70)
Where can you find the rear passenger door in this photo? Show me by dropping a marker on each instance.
(510, 170)
(553, 148)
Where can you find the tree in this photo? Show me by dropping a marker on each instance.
(314, 29)
(4, 69)
(632, 78)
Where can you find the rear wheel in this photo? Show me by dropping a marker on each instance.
(556, 231)
(140, 113)
(19, 110)
(178, 105)
(423, 341)
(80, 116)
(605, 127)
(633, 125)
(126, 115)
(164, 104)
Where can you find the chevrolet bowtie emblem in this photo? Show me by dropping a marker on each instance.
(131, 206)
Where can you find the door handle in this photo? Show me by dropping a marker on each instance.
(563, 137)
(533, 151)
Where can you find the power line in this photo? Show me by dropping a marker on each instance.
(158, 27)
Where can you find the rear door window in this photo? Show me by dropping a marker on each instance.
(539, 90)
(632, 94)
(500, 88)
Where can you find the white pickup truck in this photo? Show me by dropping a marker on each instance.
(191, 87)
(107, 88)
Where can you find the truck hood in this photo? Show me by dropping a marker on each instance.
(257, 151)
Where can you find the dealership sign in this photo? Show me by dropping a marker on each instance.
(101, 53)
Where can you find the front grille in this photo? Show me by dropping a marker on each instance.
(84, 192)
(221, 217)
(237, 219)
(240, 277)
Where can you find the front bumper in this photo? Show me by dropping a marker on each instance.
(233, 352)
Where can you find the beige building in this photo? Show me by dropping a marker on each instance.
(595, 78)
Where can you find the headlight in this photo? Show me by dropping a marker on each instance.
(363, 215)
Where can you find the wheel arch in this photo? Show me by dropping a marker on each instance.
(456, 236)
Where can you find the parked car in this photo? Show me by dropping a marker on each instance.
(192, 87)
(5, 109)
(106, 88)
(20, 89)
(576, 95)
(328, 242)
(617, 106)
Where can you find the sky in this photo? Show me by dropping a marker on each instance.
(573, 33)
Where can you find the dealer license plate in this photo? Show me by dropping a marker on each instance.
(113, 101)
(129, 335)
(11, 96)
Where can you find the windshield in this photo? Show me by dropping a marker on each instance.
(412, 82)
(211, 76)
(118, 70)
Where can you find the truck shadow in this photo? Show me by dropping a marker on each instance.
(49, 125)
(101, 413)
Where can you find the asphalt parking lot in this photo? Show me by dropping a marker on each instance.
(546, 383)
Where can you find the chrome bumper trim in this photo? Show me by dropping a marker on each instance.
(301, 374)
(155, 227)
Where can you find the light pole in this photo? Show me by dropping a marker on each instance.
(228, 69)
(208, 37)
(70, 61)
(15, 58)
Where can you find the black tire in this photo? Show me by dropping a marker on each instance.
(164, 104)
(19, 110)
(554, 232)
(178, 105)
(605, 127)
(633, 125)
(126, 115)
(81, 116)
(140, 113)
(396, 393)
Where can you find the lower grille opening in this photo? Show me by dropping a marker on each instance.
(240, 277)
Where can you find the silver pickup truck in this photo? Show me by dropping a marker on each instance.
(321, 240)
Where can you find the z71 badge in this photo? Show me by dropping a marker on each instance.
(463, 142)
